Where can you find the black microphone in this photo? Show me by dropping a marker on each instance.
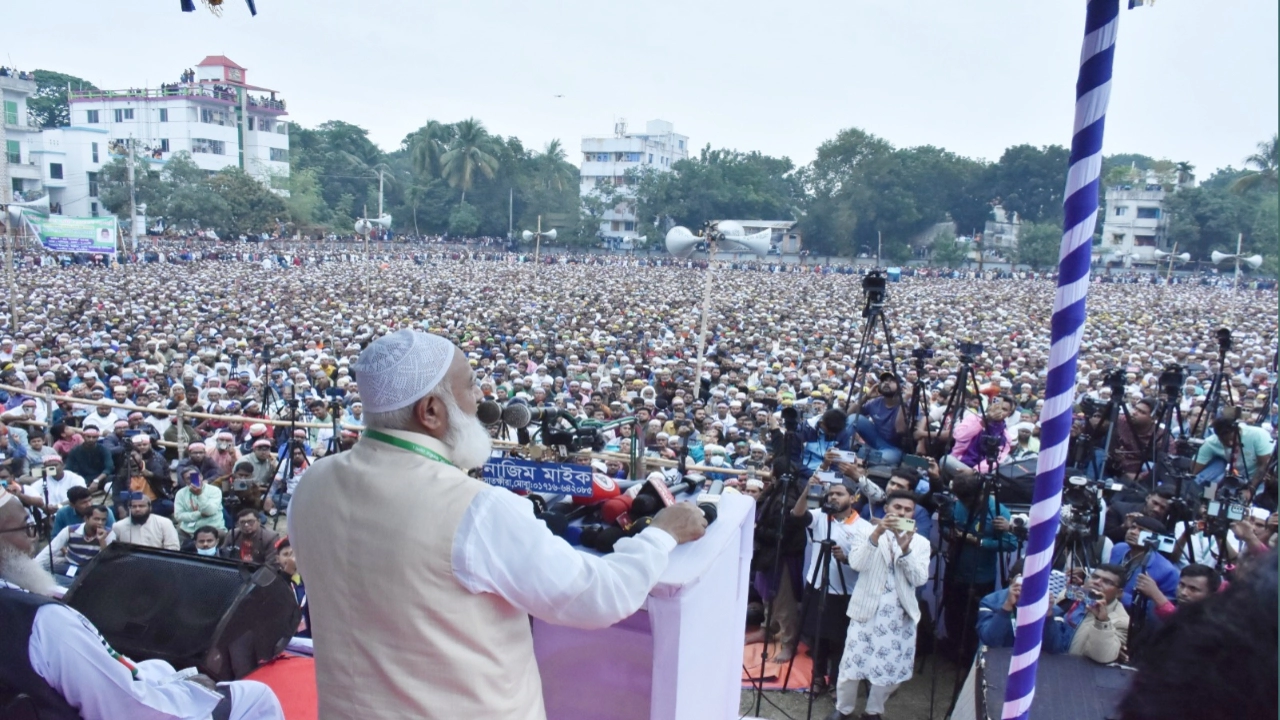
(489, 412)
(709, 501)
(519, 415)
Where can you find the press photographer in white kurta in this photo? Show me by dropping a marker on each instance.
(421, 579)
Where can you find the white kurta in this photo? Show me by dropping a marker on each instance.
(421, 582)
(67, 651)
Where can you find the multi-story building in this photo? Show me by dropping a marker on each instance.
(70, 160)
(606, 160)
(1135, 225)
(213, 113)
(18, 171)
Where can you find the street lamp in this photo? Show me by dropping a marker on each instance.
(536, 237)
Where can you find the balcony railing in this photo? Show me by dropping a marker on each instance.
(212, 92)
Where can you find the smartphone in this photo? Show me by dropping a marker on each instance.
(1093, 598)
(905, 525)
(915, 461)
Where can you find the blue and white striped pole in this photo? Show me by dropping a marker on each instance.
(1080, 210)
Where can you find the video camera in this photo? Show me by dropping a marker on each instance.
(874, 288)
(922, 353)
(971, 350)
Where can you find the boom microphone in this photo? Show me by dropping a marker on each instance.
(489, 412)
(520, 415)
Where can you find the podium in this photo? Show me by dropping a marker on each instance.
(680, 656)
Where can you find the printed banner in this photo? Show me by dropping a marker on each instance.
(73, 234)
(555, 478)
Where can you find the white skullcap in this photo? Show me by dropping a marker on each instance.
(398, 369)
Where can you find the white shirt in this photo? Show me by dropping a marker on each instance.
(157, 532)
(105, 423)
(68, 653)
(57, 488)
(842, 577)
(497, 537)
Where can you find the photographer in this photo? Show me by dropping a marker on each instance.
(881, 421)
(778, 559)
(1156, 505)
(903, 479)
(833, 430)
(980, 439)
(1134, 440)
(1250, 449)
(826, 631)
(978, 536)
(1195, 583)
(1138, 558)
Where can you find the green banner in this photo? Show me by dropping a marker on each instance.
(73, 234)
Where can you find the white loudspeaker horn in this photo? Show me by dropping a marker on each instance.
(731, 230)
(1184, 257)
(527, 236)
(41, 206)
(383, 220)
(1218, 257)
(757, 243)
(1160, 254)
(363, 227)
(1253, 260)
(550, 234)
(681, 242)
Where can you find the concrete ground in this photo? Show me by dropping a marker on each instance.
(910, 702)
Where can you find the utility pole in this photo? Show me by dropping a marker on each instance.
(511, 209)
(879, 247)
(10, 272)
(133, 200)
(538, 245)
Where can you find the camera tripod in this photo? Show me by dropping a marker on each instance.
(819, 585)
(1212, 397)
(872, 312)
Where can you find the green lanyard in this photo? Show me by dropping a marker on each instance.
(412, 447)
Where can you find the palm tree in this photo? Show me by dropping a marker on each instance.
(1264, 164)
(472, 151)
(555, 168)
(429, 144)
(1186, 172)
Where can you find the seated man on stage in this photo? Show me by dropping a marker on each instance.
(1096, 630)
(56, 658)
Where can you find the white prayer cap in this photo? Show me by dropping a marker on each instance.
(398, 369)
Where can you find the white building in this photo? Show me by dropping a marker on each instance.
(216, 116)
(1136, 225)
(18, 169)
(70, 159)
(606, 160)
(1001, 231)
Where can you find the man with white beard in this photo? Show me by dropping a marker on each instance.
(56, 657)
(421, 579)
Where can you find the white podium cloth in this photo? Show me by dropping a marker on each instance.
(678, 658)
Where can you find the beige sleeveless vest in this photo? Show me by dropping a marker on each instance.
(396, 636)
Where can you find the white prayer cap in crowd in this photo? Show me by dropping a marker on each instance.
(400, 368)
(755, 484)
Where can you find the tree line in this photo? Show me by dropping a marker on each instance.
(859, 194)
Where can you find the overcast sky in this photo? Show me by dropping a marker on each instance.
(1194, 80)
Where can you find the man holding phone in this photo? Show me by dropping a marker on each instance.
(891, 561)
(835, 520)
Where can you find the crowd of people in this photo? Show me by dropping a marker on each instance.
(242, 342)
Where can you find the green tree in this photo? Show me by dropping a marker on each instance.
(306, 207)
(948, 251)
(554, 170)
(464, 220)
(113, 187)
(1038, 245)
(1030, 181)
(342, 157)
(190, 201)
(471, 153)
(251, 206)
(1263, 166)
(48, 106)
(427, 146)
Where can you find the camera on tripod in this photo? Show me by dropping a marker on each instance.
(1081, 503)
(873, 287)
(1224, 339)
(1171, 380)
(970, 350)
(922, 353)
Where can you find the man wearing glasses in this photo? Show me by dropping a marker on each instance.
(54, 655)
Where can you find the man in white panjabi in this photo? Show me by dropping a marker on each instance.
(421, 579)
(891, 561)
